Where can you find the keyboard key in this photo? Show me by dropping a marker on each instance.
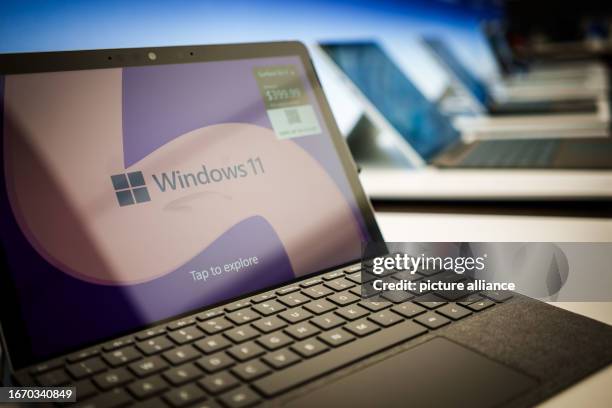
(147, 334)
(84, 368)
(183, 374)
(367, 291)
(428, 272)
(317, 292)
(219, 382)
(352, 269)
(453, 295)
(240, 334)
(310, 282)
(212, 344)
(186, 335)
(243, 316)
(301, 330)
(339, 284)
(269, 308)
(319, 307)
(85, 389)
(178, 324)
(362, 327)
(408, 309)
(430, 302)
(336, 337)
(215, 325)
(293, 299)
(307, 370)
(397, 296)
(184, 396)
(295, 315)
(407, 276)
(343, 298)
(209, 314)
(57, 377)
(240, 398)
(148, 366)
(122, 356)
(356, 291)
(374, 306)
(270, 324)
(281, 358)
(246, 351)
(368, 277)
(432, 320)
(237, 305)
(148, 387)
(353, 312)
(333, 275)
(385, 318)
(287, 289)
(251, 370)
(262, 297)
(115, 344)
(309, 348)
(113, 378)
(111, 399)
(497, 296)
(47, 366)
(82, 355)
(453, 311)
(328, 321)
(275, 340)
(354, 277)
(481, 305)
(155, 345)
(215, 362)
(181, 355)
(206, 404)
(470, 299)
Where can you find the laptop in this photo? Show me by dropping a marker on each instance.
(428, 137)
(183, 227)
(485, 102)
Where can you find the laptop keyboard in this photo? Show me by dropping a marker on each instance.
(255, 348)
(511, 153)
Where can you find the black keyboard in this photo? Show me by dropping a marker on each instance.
(256, 348)
(534, 153)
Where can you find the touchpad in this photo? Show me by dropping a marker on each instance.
(438, 373)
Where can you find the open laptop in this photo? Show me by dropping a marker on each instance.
(428, 137)
(485, 102)
(514, 69)
(183, 227)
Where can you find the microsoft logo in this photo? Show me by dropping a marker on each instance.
(130, 188)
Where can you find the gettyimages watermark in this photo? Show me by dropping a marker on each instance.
(459, 271)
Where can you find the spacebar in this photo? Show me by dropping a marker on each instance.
(324, 363)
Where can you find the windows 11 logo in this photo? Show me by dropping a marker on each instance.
(130, 188)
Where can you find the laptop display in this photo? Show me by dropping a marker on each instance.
(415, 118)
(135, 194)
(472, 84)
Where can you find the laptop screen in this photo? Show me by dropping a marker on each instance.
(456, 69)
(136, 194)
(386, 87)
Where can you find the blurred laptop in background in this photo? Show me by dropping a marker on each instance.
(532, 117)
(485, 102)
(401, 129)
(523, 79)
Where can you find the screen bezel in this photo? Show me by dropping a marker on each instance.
(16, 342)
